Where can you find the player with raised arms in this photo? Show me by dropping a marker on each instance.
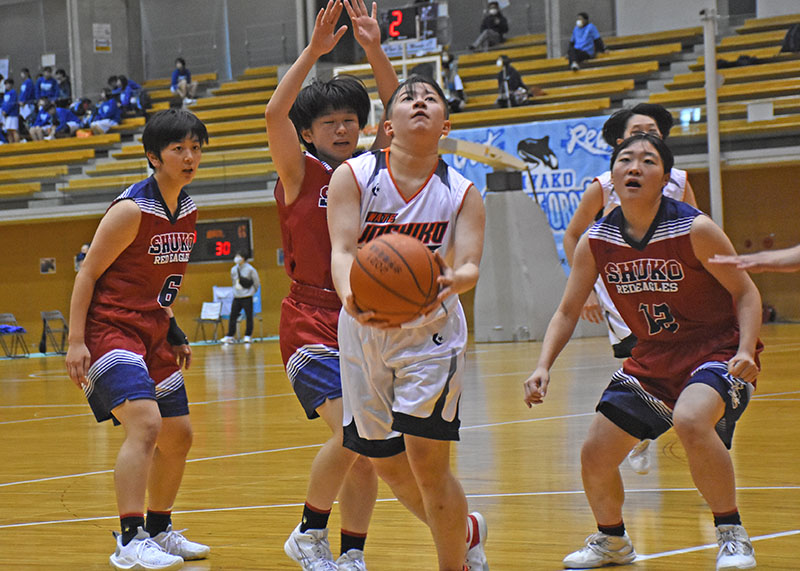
(402, 385)
(327, 117)
(125, 348)
(695, 363)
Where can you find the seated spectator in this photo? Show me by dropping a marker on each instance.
(585, 42)
(81, 108)
(512, 90)
(453, 86)
(128, 92)
(182, 82)
(47, 86)
(493, 26)
(9, 112)
(64, 88)
(41, 126)
(27, 94)
(106, 115)
(66, 123)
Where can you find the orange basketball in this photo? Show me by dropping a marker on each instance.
(394, 275)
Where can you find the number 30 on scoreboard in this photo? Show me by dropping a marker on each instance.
(220, 240)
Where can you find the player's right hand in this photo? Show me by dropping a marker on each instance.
(591, 309)
(536, 386)
(78, 361)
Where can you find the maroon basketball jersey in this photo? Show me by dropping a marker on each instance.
(681, 315)
(304, 227)
(148, 273)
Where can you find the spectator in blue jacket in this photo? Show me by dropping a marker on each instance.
(27, 94)
(182, 83)
(62, 123)
(81, 108)
(585, 42)
(128, 92)
(107, 114)
(47, 86)
(64, 88)
(41, 121)
(9, 111)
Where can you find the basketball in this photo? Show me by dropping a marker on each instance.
(395, 276)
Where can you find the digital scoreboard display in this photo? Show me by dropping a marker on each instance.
(220, 240)
(401, 23)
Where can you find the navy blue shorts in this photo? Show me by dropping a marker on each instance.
(315, 376)
(628, 405)
(130, 381)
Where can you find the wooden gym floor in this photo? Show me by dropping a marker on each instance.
(247, 473)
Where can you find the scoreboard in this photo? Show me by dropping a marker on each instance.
(401, 23)
(220, 240)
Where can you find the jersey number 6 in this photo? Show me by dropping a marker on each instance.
(169, 291)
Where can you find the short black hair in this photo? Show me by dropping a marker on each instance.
(408, 86)
(614, 127)
(25, 70)
(47, 68)
(169, 126)
(9, 80)
(112, 80)
(123, 80)
(667, 159)
(583, 15)
(180, 59)
(342, 93)
(60, 71)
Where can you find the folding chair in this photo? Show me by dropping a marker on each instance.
(210, 313)
(54, 323)
(10, 329)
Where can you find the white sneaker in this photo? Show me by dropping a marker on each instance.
(310, 549)
(142, 553)
(174, 543)
(639, 457)
(353, 560)
(247, 339)
(227, 339)
(476, 557)
(601, 550)
(735, 549)
(574, 66)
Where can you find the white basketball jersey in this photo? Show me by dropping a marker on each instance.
(429, 215)
(675, 188)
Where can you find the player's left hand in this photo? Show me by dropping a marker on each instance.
(183, 355)
(365, 26)
(743, 366)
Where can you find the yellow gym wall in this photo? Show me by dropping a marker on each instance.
(760, 211)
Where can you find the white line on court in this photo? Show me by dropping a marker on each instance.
(641, 557)
(469, 496)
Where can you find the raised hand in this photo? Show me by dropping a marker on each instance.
(365, 26)
(324, 38)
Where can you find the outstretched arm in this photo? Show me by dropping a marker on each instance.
(368, 34)
(786, 260)
(283, 143)
(580, 282)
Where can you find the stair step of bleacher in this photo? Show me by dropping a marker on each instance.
(530, 112)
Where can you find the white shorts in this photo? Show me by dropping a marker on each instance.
(73, 126)
(104, 124)
(617, 329)
(11, 123)
(401, 381)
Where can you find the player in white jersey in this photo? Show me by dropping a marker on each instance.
(599, 199)
(401, 386)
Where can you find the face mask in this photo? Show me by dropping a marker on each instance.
(499, 63)
(445, 59)
(238, 259)
(579, 23)
(493, 11)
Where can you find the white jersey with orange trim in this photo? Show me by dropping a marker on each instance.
(429, 215)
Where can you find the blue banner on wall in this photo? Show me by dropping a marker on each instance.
(563, 156)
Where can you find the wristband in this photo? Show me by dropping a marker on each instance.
(175, 336)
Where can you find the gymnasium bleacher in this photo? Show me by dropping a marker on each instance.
(663, 67)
